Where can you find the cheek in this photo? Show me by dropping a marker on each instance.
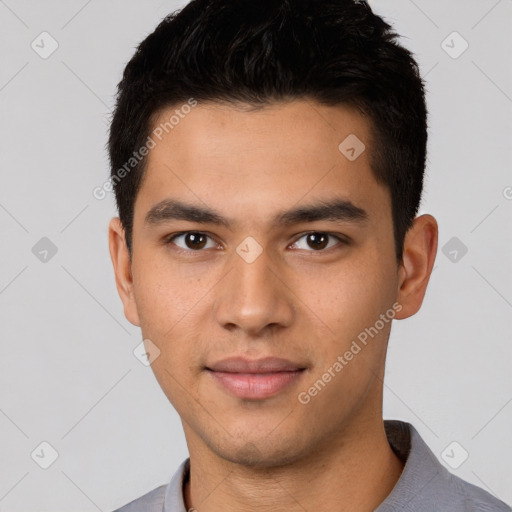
(167, 293)
(347, 299)
(173, 306)
(168, 312)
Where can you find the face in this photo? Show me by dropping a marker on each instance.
(264, 273)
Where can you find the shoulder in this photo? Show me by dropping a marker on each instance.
(472, 498)
(153, 501)
(166, 497)
(425, 484)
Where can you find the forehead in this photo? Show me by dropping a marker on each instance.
(247, 160)
(302, 127)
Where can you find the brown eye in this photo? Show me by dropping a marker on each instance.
(192, 241)
(195, 240)
(317, 241)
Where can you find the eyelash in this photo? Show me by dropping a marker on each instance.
(341, 240)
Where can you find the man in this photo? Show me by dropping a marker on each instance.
(268, 160)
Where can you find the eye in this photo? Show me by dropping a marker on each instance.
(192, 241)
(317, 240)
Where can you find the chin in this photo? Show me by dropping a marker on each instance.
(264, 453)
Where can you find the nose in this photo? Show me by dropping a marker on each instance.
(253, 298)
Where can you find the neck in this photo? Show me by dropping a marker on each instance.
(355, 471)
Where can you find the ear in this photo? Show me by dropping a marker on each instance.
(419, 254)
(122, 269)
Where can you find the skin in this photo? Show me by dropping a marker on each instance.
(294, 301)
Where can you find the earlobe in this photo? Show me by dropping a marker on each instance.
(419, 253)
(122, 269)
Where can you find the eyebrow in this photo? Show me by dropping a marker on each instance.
(332, 210)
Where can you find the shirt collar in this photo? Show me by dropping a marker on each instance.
(420, 470)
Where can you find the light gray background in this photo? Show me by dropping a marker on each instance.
(67, 372)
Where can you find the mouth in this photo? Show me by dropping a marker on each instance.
(255, 379)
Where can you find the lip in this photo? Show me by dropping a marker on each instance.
(262, 365)
(255, 379)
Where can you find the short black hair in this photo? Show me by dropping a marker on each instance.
(259, 52)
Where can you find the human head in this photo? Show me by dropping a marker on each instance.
(257, 53)
(261, 170)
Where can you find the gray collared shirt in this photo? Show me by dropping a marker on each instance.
(424, 486)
